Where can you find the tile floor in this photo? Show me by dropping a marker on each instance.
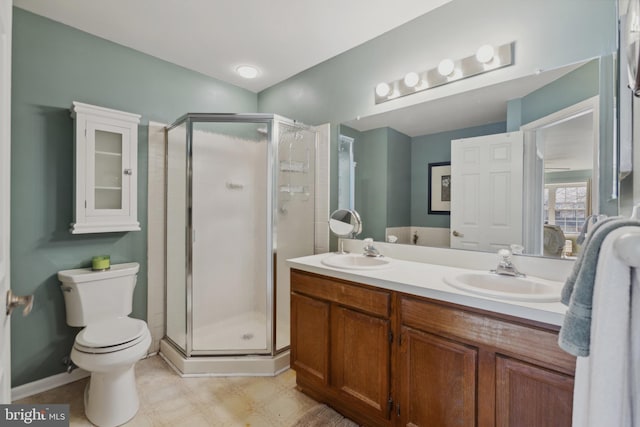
(166, 399)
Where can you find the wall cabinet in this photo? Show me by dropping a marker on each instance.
(384, 358)
(106, 166)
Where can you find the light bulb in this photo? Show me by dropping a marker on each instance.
(485, 53)
(247, 71)
(411, 79)
(445, 67)
(383, 89)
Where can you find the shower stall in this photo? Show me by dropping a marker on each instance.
(240, 193)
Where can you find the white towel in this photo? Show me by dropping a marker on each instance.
(608, 380)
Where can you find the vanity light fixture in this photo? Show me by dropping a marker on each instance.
(446, 67)
(247, 71)
(411, 79)
(383, 89)
(485, 53)
(487, 58)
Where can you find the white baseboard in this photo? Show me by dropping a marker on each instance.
(35, 387)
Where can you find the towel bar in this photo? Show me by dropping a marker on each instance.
(627, 248)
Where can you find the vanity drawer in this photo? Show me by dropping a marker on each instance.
(342, 292)
(532, 342)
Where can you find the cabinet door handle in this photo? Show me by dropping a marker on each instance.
(457, 234)
(128, 172)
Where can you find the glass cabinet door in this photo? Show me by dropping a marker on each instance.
(107, 157)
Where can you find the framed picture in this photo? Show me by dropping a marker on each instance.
(439, 189)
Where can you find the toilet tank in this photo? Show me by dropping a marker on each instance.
(91, 296)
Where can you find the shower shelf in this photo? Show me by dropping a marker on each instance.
(295, 189)
(294, 166)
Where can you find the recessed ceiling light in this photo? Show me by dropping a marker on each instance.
(247, 71)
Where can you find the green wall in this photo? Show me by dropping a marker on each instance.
(383, 179)
(567, 176)
(54, 65)
(370, 155)
(398, 179)
(576, 86)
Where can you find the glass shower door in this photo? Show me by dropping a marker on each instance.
(231, 291)
(295, 214)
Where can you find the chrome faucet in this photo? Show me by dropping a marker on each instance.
(369, 249)
(505, 266)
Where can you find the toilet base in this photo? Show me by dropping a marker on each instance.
(111, 399)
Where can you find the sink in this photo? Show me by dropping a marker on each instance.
(356, 262)
(530, 289)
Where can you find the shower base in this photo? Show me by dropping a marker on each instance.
(244, 332)
(224, 366)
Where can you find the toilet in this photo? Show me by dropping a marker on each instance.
(111, 342)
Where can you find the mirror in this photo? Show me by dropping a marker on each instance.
(383, 165)
(345, 223)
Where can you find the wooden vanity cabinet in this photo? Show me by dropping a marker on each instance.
(384, 358)
(341, 345)
(465, 367)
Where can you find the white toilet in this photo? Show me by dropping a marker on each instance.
(110, 343)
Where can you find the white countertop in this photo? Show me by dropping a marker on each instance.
(426, 280)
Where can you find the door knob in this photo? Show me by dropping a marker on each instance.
(14, 300)
(456, 234)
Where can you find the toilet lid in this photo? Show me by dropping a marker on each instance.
(110, 333)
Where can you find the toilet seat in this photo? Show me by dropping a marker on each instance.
(110, 335)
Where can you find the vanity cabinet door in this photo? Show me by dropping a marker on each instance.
(310, 338)
(361, 359)
(531, 396)
(438, 381)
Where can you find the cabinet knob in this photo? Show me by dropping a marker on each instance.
(128, 172)
(457, 234)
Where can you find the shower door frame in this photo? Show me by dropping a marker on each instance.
(272, 122)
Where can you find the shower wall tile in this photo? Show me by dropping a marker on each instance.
(156, 235)
(322, 189)
(321, 229)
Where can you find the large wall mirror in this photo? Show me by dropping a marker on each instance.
(563, 120)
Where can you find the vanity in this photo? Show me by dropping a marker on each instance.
(399, 347)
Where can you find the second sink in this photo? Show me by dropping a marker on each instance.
(507, 287)
(356, 262)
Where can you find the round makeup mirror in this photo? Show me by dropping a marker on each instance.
(345, 223)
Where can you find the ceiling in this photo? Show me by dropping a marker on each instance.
(214, 37)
